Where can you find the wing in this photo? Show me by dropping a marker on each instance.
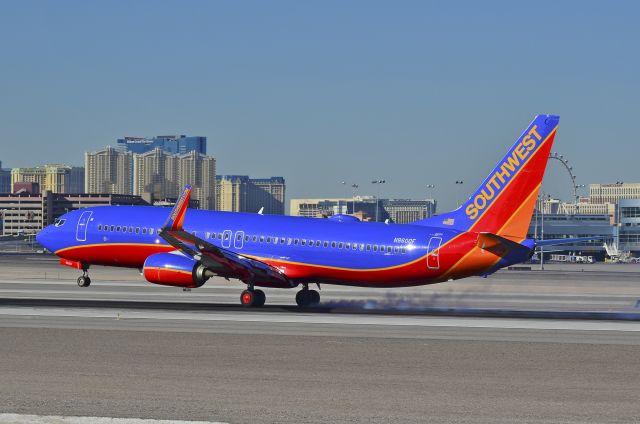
(223, 262)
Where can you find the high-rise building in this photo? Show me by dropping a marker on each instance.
(5, 180)
(199, 171)
(231, 193)
(156, 174)
(176, 144)
(239, 193)
(267, 193)
(109, 171)
(53, 178)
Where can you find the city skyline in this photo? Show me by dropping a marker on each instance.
(416, 94)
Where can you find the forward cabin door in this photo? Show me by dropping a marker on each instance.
(433, 256)
(83, 223)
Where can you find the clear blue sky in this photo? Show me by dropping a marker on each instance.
(320, 92)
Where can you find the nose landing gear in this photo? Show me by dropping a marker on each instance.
(84, 280)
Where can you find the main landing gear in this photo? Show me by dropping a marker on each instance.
(252, 298)
(84, 280)
(307, 297)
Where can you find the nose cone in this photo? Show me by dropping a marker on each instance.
(44, 237)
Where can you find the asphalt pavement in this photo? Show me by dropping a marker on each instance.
(121, 348)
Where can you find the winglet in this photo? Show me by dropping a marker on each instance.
(176, 218)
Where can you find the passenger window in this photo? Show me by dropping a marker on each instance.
(381, 248)
(281, 240)
(355, 246)
(395, 249)
(99, 227)
(289, 240)
(226, 236)
(275, 240)
(207, 234)
(137, 230)
(220, 236)
(333, 244)
(303, 242)
(326, 244)
(295, 241)
(131, 229)
(347, 246)
(144, 230)
(255, 238)
(246, 238)
(118, 229)
(318, 242)
(268, 239)
(389, 249)
(239, 237)
(339, 245)
(150, 230)
(404, 250)
(368, 247)
(361, 246)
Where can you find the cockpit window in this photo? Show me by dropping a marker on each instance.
(60, 222)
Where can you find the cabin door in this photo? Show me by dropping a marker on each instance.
(433, 255)
(83, 223)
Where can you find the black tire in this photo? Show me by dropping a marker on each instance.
(247, 298)
(314, 297)
(303, 298)
(82, 282)
(260, 298)
(87, 281)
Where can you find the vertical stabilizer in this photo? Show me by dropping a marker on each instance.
(504, 202)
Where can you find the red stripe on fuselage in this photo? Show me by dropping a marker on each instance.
(124, 255)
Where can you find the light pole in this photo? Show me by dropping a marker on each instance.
(353, 198)
(430, 188)
(542, 232)
(379, 182)
(458, 183)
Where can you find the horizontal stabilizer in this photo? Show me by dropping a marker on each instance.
(500, 246)
(557, 242)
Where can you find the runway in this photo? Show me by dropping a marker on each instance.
(125, 348)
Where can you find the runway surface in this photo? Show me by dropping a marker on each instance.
(116, 349)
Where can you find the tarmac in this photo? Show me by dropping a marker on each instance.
(128, 349)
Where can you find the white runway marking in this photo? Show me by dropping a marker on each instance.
(54, 419)
(336, 319)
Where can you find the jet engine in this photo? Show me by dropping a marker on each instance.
(177, 270)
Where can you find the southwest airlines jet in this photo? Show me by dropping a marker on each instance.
(184, 248)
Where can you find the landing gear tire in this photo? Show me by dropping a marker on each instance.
(306, 297)
(252, 298)
(260, 298)
(84, 281)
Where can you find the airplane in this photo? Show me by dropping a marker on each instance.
(182, 247)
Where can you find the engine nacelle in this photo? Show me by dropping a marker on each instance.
(175, 270)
